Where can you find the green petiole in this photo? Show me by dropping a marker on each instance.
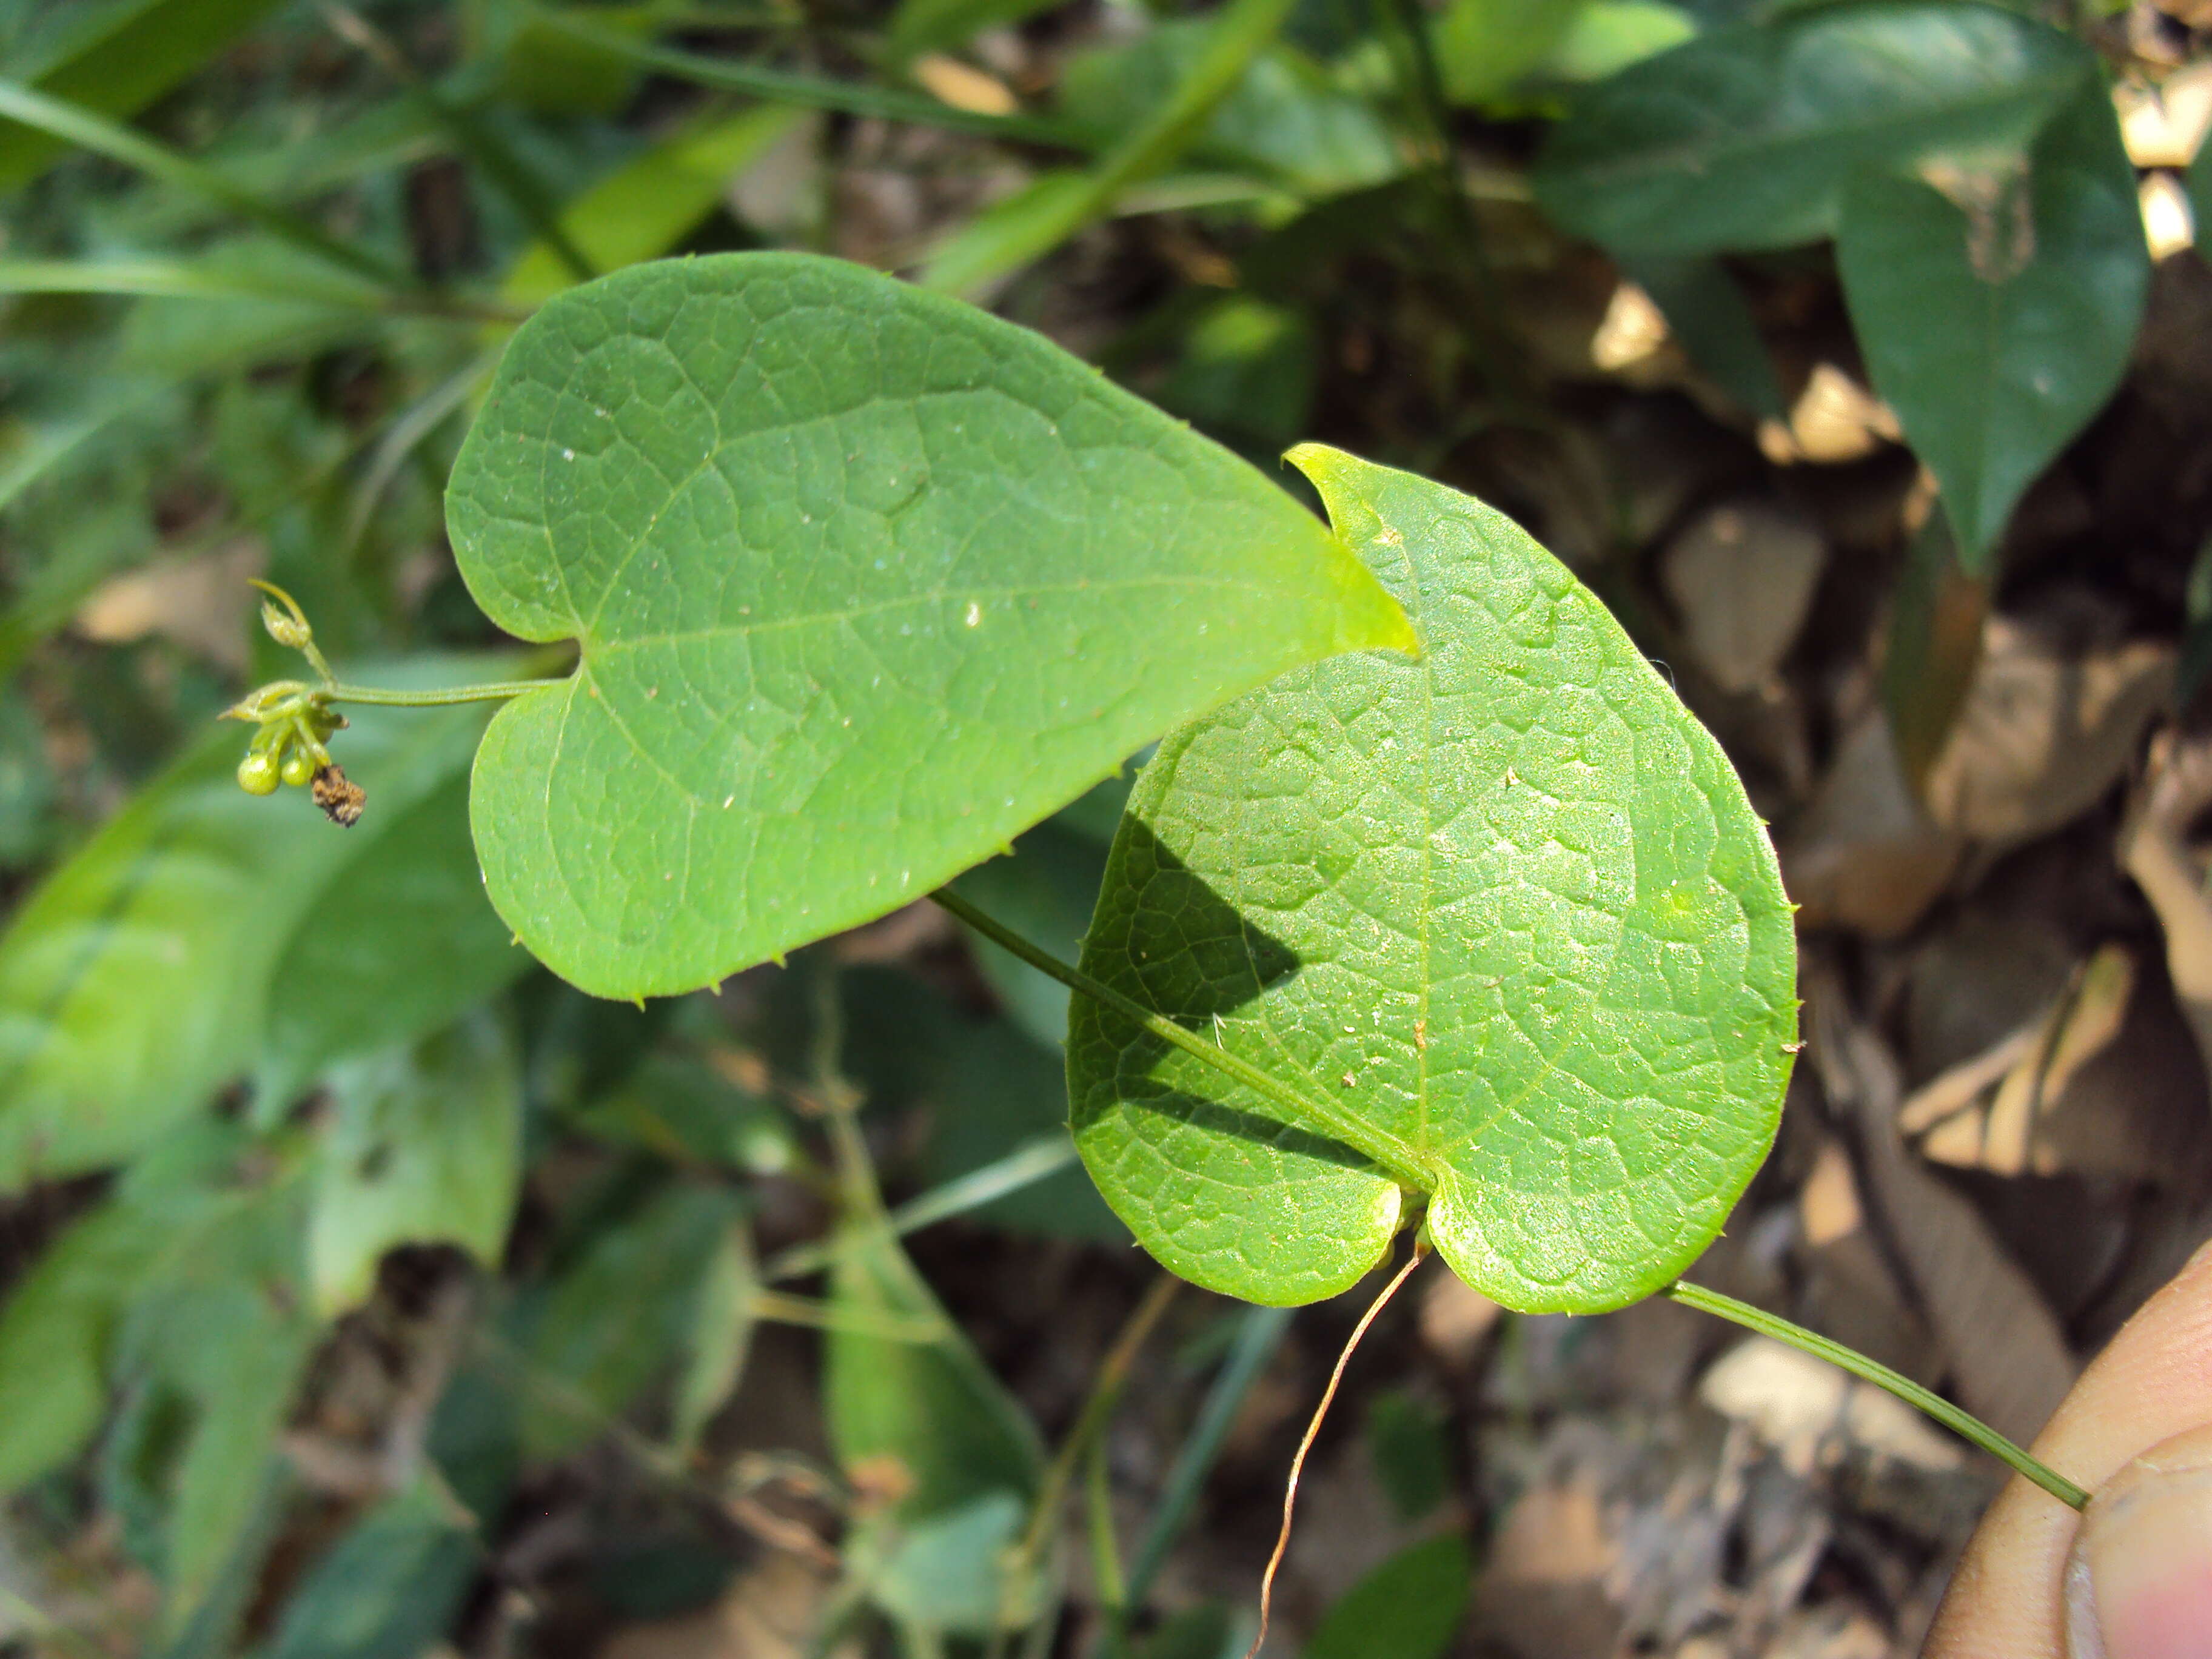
(1388, 1154)
(295, 720)
(440, 697)
(1820, 1347)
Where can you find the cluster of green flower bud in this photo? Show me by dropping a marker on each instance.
(294, 721)
(290, 750)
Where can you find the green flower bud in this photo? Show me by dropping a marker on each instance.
(258, 774)
(299, 767)
(285, 629)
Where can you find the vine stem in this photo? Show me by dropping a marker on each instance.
(1820, 1347)
(1421, 1253)
(491, 691)
(1391, 1158)
(1309, 1109)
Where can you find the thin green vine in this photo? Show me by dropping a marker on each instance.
(1388, 1153)
(1959, 1422)
(1713, 1302)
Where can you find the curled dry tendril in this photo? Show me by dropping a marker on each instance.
(1305, 1445)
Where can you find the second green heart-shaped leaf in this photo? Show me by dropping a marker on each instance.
(865, 581)
(1503, 918)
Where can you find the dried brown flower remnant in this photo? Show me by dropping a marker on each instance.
(339, 796)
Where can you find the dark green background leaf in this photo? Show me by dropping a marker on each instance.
(620, 1317)
(1746, 138)
(1281, 120)
(61, 1317)
(392, 949)
(112, 56)
(1997, 316)
(924, 1422)
(425, 1146)
(1409, 1608)
(387, 1588)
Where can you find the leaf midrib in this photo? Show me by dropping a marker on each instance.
(604, 648)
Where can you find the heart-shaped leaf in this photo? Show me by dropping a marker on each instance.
(1746, 138)
(865, 581)
(1997, 312)
(1505, 911)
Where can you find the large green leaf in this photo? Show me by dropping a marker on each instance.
(865, 582)
(142, 976)
(1998, 312)
(1501, 920)
(1746, 138)
(425, 1147)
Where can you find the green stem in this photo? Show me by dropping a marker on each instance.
(1024, 1166)
(1105, 1552)
(1972, 1428)
(1309, 1110)
(779, 1308)
(492, 691)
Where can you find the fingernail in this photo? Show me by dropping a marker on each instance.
(2139, 1581)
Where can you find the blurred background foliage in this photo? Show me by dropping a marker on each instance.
(369, 1292)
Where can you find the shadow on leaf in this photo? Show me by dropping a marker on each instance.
(1186, 952)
